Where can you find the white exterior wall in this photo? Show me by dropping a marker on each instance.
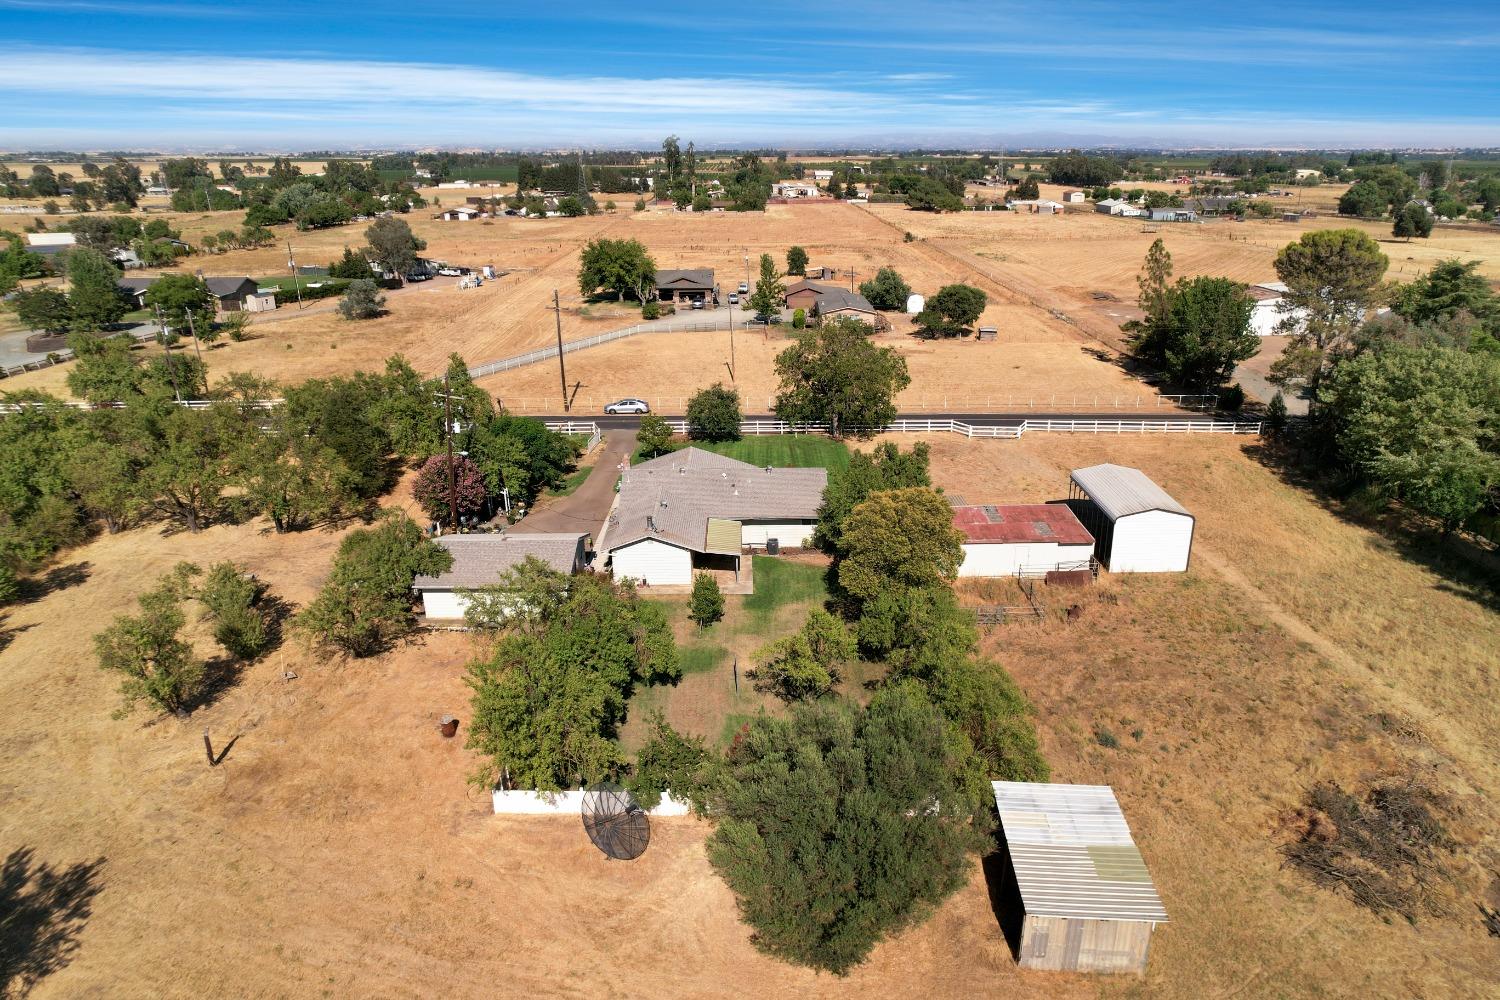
(791, 535)
(443, 604)
(987, 559)
(1267, 314)
(1153, 541)
(653, 562)
(569, 803)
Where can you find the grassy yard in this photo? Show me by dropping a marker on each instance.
(795, 450)
(706, 701)
(572, 481)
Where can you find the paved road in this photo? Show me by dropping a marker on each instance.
(633, 423)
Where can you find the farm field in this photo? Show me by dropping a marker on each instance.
(1038, 360)
(338, 848)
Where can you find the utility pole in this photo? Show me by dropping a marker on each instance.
(452, 476)
(291, 264)
(167, 350)
(562, 369)
(747, 270)
(731, 343)
(850, 273)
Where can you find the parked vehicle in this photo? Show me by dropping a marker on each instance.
(419, 276)
(697, 303)
(744, 288)
(451, 272)
(628, 406)
(734, 298)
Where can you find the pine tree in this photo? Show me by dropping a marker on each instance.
(706, 605)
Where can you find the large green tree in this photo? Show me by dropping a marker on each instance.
(366, 605)
(1202, 334)
(94, 296)
(796, 261)
(766, 299)
(952, 312)
(885, 467)
(548, 699)
(1333, 279)
(887, 290)
(713, 414)
(181, 299)
(838, 826)
(834, 374)
(393, 245)
(899, 539)
(623, 267)
(157, 664)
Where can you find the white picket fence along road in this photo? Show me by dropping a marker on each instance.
(191, 404)
(62, 355)
(753, 428)
(569, 346)
(593, 430)
(946, 403)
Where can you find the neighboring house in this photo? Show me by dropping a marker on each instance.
(1137, 526)
(462, 213)
(1268, 313)
(821, 175)
(1074, 197)
(1217, 204)
(479, 560)
(229, 293)
(795, 189)
(1021, 539)
(49, 245)
(1038, 206)
(1087, 898)
(1173, 215)
(831, 300)
(127, 258)
(1303, 173)
(693, 509)
(687, 284)
(158, 192)
(264, 300)
(1118, 206)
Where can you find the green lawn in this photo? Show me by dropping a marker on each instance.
(287, 281)
(572, 481)
(798, 450)
(699, 657)
(779, 583)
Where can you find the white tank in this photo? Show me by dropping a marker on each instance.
(915, 304)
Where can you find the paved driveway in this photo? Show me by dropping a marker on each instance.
(586, 507)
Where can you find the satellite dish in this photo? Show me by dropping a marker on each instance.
(615, 823)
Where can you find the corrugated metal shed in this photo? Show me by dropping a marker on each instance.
(1072, 853)
(1120, 491)
(724, 536)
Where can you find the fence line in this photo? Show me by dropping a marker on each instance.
(569, 346)
(548, 405)
(589, 427)
(191, 404)
(64, 354)
(755, 428)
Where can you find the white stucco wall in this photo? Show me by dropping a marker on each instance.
(569, 803)
(988, 559)
(1267, 316)
(443, 604)
(1153, 541)
(653, 562)
(791, 535)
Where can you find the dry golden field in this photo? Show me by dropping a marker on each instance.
(337, 850)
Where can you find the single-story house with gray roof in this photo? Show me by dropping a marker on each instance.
(687, 284)
(693, 509)
(229, 293)
(479, 560)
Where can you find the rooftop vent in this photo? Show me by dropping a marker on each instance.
(650, 523)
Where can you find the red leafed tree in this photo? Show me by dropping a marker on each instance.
(431, 487)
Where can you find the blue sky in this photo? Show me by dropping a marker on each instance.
(312, 75)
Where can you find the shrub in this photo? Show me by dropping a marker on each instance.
(1232, 398)
(1105, 738)
(651, 309)
(158, 665)
(669, 762)
(431, 488)
(799, 318)
(706, 605)
(230, 598)
(1276, 413)
(361, 301)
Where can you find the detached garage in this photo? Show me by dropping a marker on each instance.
(1088, 903)
(1137, 526)
(1021, 539)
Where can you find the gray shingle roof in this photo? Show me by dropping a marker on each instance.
(672, 497)
(692, 277)
(478, 560)
(1072, 853)
(1120, 491)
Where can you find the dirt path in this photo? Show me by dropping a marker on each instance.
(1452, 743)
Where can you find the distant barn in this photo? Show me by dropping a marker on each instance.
(1137, 527)
(1089, 903)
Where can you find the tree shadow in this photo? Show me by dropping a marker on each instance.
(220, 673)
(1468, 571)
(32, 589)
(8, 636)
(42, 911)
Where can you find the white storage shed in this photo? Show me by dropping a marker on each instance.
(1137, 526)
(1021, 540)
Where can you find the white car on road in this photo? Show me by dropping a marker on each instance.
(628, 406)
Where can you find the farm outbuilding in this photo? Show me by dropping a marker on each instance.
(1021, 540)
(1088, 903)
(1137, 526)
(479, 561)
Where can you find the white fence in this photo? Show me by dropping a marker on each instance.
(191, 404)
(593, 430)
(547, 353)
(528, 803)
(977, 402)
(752, 428)
(59, 356)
